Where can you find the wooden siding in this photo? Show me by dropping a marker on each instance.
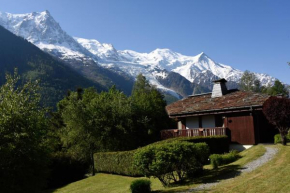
(241, 128)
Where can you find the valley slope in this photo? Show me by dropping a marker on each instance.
(34, 64)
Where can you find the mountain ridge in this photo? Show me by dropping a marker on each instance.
(34, 64)
(102, 63)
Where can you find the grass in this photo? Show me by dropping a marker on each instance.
(271, 177)
(108, 183)
(103, 183)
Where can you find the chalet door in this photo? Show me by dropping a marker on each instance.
(241, 128)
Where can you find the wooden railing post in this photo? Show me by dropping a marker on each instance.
(170, 133)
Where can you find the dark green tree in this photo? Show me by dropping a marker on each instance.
(149, 113)
(23, 128)
(278, 89)
(95, 122)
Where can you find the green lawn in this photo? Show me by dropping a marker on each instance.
(274, 176)
(103, 183)
(108, 183)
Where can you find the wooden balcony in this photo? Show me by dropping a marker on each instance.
(171, 133)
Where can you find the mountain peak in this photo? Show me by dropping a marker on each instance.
(47, 12)
(202, 56)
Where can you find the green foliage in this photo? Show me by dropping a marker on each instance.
(277, 138)
(120, 162)
(94, 122)
(171, 161)
(218, 159)
(148, 112)
(249, 82)
(140, 186)
(110, 121)
(277, 89)
(216, 144)
(23, 144)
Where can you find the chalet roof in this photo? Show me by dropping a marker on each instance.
(234, 99)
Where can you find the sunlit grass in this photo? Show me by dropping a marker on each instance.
(274, 176)
(108, 183)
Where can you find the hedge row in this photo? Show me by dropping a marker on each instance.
(122, 162)
(217, 144)
(222, 159)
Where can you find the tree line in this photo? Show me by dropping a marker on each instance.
(249, 82)
(36, 144)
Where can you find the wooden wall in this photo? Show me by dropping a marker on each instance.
(241, 128)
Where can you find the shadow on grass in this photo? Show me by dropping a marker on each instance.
(207, 176)
(54, 188)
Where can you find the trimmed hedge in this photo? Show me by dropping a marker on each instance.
(122, 162)
(217, 144)
(218, 159)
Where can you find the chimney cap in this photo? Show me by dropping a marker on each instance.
(222, 80)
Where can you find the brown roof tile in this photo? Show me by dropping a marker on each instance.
(200, 103)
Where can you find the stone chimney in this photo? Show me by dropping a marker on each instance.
(219, 88)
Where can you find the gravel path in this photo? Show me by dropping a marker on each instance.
(269, 154)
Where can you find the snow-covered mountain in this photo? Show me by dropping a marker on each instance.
(169, 71)
(44, 32)
(199, 69)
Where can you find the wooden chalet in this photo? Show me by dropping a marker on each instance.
(235, 113)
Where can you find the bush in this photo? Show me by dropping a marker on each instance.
(277, 138)
(116, 163)
(171, 161)
(217, 144)
(218, 160)
(141, 186)
(122, 162)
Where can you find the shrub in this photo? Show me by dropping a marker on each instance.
(141, 186)
(277, 138)
(218, 160)
(171, 161)
(116, 163)
(122, 162)
(217, 144)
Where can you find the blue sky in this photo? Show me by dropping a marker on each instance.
(246, 34)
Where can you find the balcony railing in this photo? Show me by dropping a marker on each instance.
(171, 133)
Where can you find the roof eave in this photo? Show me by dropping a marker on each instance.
(218, 111)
